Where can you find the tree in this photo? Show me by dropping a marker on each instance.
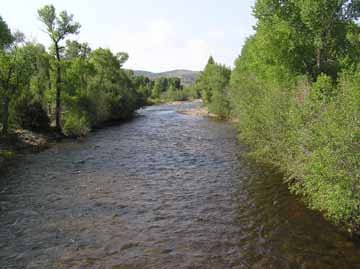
(144, 86)
(58, 27)
(306, 36)
(5, 35)
(75, 50)
(211, 60)
(295, 91)
(39, 64)
(5, 40)
(175, 83)
(12, 75)
(160, 86)
(122, 57)
(213, 80)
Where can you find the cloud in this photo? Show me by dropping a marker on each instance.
(159, 47)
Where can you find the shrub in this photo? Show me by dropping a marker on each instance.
(323, 88)
(314, 137)
(31, 115)
(220, 104)
(76, 125)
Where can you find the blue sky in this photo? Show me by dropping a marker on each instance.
(159, 35)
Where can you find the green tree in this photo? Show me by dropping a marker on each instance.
(213, 85)
(58, 28)
(12, 74)
(5, 35)
(40, 65)
(306, 36)
(160, 86)
(5, 40)
(295, 92)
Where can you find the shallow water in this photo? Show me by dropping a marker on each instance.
(162, 191)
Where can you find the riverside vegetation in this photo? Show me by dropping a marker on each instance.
(295, 92)
(70, 84)
(69, 88)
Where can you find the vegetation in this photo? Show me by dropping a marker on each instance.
(69, 84)
(212, 86)
(295, 90)
(167, 89)
(187, 77)
(58, 27)
(168, 86)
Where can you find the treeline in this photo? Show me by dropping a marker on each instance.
(68, 84)
(295, 91)
(164, 89)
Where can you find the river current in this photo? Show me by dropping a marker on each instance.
(164, 190)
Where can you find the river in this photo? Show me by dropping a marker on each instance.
(164, 190)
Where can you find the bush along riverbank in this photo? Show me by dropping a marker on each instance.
(64, 91)
(70, 86)
(295, 92)
(68, 89)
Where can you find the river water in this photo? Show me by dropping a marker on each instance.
(164, 190)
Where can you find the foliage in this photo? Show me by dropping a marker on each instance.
(212, 85)
(5, 34)
(323, 88)
(58, 27)
(86, 87)
(168, 89)
(76, 125)
(31, 115)
(295, 92)
(14, 74)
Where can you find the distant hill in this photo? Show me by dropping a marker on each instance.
(187, 76)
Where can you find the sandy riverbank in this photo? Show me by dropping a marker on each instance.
(200, 112)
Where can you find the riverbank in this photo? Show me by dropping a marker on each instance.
(200, 111)
(351, 228)
(23, 141)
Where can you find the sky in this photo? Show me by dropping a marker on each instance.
(159, 35)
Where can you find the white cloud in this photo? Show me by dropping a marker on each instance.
(158, 48)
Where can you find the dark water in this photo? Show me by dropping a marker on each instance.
(162, 191)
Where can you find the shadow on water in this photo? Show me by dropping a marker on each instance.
(164, 190)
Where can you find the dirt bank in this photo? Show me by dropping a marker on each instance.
(200, 112)
(22, 141)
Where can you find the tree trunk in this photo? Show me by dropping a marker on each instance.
(58, 90)
(318, 59)
(5, 114)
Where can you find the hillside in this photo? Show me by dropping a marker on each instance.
(187, 76)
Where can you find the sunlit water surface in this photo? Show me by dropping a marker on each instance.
(164, 190)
